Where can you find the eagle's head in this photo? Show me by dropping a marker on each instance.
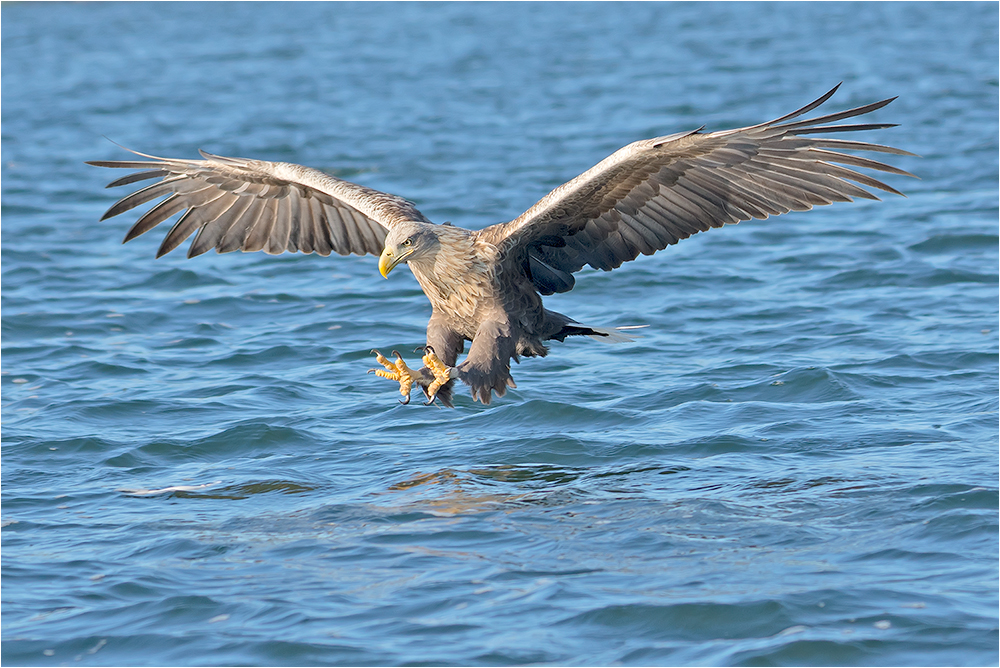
(408, 242)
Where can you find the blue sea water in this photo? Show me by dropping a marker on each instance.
(795, 464)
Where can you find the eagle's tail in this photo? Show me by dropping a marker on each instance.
(607, 335)
(615, 335)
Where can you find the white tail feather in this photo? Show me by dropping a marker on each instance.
(613, 335)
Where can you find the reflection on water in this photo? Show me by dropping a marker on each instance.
(451, 491)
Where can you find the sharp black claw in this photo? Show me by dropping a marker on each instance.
(431, 400)
(405, 401)
(424, 349)
(372, 370)
(396, 353)
(375, 351)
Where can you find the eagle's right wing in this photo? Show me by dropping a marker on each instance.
(251, 205)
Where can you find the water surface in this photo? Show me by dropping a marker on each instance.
(795, 464)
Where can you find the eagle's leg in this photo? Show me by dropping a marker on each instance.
(397, 371)
(441, 372)
(446, 345)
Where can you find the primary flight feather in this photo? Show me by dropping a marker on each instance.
(485, 286)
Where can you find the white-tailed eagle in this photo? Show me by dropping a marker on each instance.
(485, 286)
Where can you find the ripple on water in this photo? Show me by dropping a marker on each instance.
(173, 282)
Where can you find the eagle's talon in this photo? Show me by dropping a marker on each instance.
(442, 373)
(397, 371)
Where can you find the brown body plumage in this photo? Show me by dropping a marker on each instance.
(485, 286)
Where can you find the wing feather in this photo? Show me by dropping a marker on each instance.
(251, 205)
(137, 176)
(653, 193)
(307, 229)
(355, 239)
(140, 197)
(277, 240)
(236, 233)
(339, 232)
(159, 213)
(257, 235)
(182, 229)
(323, 240)
(205, 215)
(210, 235)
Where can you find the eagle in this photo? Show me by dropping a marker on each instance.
(485, 286)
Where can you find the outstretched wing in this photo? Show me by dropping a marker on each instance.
(251, 205)
(653, 193)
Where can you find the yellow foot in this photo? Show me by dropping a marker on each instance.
(442, 373)
(397, 371)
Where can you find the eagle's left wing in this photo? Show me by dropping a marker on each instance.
(653, 193)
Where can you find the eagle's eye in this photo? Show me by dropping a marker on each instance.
(407, 243)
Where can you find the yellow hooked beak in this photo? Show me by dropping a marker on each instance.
(388, 260)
